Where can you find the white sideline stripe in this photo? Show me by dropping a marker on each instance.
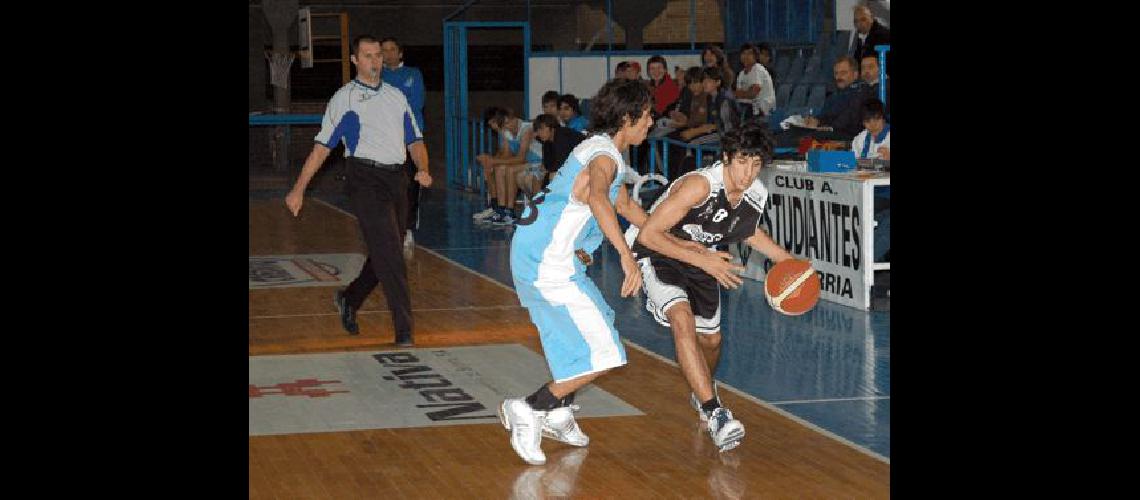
(769, 406)
(804, 401)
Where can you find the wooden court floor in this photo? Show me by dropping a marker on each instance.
(663, 454)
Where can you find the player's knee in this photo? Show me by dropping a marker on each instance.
(681, 317)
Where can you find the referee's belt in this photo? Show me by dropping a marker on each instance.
(376, 164)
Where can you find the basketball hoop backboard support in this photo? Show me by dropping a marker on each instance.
(305, 37)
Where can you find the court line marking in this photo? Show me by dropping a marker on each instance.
(652, 354)
(386, 311)
(830, 400)
(772, 407)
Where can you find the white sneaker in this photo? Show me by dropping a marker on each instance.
(726, 432)
(487, 212)
(559, 425)
(697, 404)
(409, 246)
(525, 425)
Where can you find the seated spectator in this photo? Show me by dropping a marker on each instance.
(518, 149)
(874, 142)
(569, 113)
(754, 89)
(764, 57)
(550, 103)
(698, 118)
(557, 143)
(869, 72)
(842, 113)
(634, 71)
(713, 56)
(665, 90)
(622, 70)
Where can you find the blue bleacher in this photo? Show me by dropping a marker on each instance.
(796, 72)
(817, 96)
(782, 66)
(812, 71)
(799, 97)
(783, 95)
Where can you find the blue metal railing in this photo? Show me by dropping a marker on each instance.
(882, 50)
(285, 119)
(467, 173)
(260, 120)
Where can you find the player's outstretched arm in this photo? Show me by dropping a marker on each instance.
(601, 171)
(762, 242)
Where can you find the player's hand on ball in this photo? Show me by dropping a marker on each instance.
(632, 283)
(720, 266)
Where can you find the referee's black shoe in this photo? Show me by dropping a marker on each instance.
(405, 340)
(347, 313)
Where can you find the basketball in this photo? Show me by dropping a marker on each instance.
(792, 287)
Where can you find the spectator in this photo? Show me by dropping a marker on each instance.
(842, 111)
(754, 89)
(665, 90)
(622, 70)
(557, 143)
(570, 115)
(532, 178)
(764, 57)
(841, 116)
(874, 142)
(550, 103)
(869, 72)
(698, 117)
(713, 56)
(517, 151)
(634, 72)
(411, 82)
(868, 34)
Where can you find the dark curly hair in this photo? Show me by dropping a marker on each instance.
(751, 139)
(617, 100)
(497, 113)
(570, 100)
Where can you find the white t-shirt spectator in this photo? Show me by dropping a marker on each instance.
(757, 75)
(860, 142)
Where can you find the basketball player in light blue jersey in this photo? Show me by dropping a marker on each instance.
(556, 233)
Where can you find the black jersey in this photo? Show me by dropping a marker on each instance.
(714, 221)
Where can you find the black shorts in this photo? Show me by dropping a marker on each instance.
(668, 281)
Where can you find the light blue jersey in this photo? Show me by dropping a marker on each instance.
(575, 324)
(550, 230)
(514, 142)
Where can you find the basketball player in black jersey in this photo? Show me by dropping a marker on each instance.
(718, 205)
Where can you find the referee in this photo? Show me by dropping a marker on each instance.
(376, 124)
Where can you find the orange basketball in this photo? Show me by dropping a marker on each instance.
(792, 287)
